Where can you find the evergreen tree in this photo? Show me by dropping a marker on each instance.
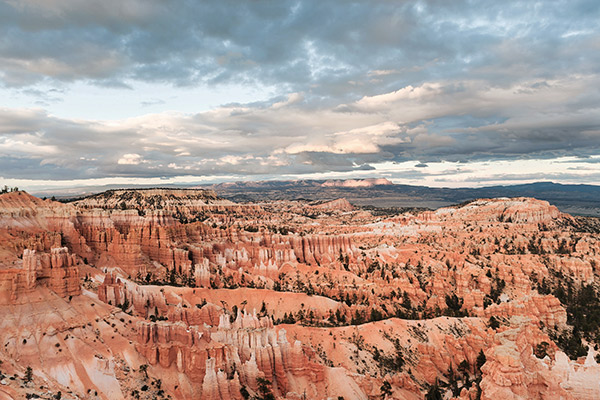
(386, 389)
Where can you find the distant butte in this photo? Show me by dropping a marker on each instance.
(574, 199)
(356, 183)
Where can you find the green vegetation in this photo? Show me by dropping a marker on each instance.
(583, 314)
(264, 389)
(541, 350)
(6, 189)
(386, 389)
(454, 304)
(28, 375)
(434, 392)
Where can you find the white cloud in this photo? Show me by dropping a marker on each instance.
(130, 159)
(466, 121)
(292, 98)
(385, 101)
(365, 140)
(383, 72)
(437, 174)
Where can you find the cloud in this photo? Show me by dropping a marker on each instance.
(366, 140)
(292, 98)
(348, 86)
(465, 121)
(315, 45)
(385, 101)
(130, 159)
(383, 72)
(152, 102)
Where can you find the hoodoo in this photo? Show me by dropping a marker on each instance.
(180, 294)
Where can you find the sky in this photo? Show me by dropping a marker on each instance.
(437, 93)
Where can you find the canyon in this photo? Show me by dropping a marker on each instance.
(181, 294)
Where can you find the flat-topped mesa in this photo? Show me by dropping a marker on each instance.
(56, 271)
(180, 202)
(520, 210)
(369, 182)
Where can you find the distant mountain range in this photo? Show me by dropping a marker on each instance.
(573, 199)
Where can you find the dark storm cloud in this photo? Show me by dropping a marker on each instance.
(323, 43)
(357, 83)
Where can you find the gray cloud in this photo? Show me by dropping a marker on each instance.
(370, 82)
(325, 44)
(284, 137)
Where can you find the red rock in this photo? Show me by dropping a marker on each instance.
(328, 261)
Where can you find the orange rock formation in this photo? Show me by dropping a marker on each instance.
(157, 293)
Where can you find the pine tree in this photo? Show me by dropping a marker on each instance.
(386, 389)
(28, 375)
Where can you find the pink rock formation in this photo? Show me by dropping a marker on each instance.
(56, 271)
(513, 372)
(174, 279)
(334, 205)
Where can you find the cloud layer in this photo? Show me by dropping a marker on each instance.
(357, 85)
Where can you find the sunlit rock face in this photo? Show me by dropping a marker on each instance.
(156, 293)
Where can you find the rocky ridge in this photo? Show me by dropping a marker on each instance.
(490, 299)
